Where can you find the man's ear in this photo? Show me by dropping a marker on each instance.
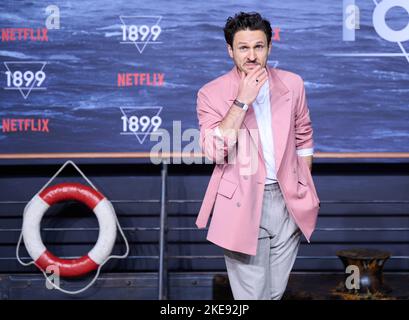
(269, 47)
(230, 50)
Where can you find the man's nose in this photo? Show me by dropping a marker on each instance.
(252, 55)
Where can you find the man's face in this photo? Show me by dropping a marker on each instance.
(250, 49)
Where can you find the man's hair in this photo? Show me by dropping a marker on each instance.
(246, 20)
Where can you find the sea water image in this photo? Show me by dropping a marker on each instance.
(113, 72)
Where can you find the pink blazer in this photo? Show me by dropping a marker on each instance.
(234, 195)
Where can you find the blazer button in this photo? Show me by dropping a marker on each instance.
(238, 204)
(294, 171)
(245, 177)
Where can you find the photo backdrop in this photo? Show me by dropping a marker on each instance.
(106, 76)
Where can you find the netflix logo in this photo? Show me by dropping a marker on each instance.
(25, 125)
(140, 79)
(24, 34)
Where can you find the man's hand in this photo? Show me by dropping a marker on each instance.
(250, 84)
(248, 91)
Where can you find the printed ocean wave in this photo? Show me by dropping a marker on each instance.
(316, 85)
(16, 54)
(63, 56)
(175, 85)
(57, 110)
(84, 32)
(389, 90)
(113, 34)
(86, 105)
(5, 16)
(115, 30)
(393, 75)
(200, 25)
(111, 27)
(133, 63)
(382, 133)
(309, 29)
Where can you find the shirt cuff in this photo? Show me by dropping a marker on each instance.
(305, 152)
(218, 132)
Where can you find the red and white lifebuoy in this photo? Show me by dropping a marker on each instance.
(102, 208)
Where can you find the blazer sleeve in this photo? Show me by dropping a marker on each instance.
(303, 126)
(213, 145)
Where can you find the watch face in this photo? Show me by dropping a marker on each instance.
(241, 105)
(237, 103)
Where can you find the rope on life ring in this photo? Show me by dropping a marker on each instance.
(104, 212)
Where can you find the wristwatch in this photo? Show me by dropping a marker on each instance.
(241, 104)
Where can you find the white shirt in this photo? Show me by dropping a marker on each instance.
(262, 110)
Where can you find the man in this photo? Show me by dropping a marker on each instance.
(255, 124)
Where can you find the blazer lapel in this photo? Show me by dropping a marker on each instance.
(250, 120)
(280, 102)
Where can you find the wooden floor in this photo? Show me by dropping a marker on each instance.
(187, 286)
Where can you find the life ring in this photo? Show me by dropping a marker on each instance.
(35, 211)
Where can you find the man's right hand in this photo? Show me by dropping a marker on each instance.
(249, 87)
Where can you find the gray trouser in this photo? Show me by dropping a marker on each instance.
(265, 275)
